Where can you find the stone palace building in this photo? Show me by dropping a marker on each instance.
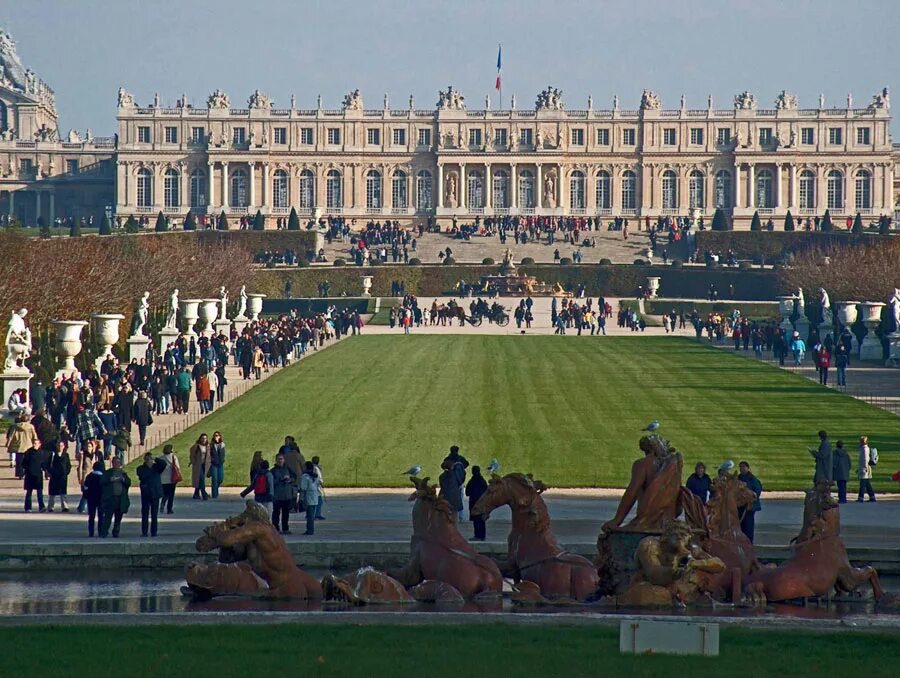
(446, 161)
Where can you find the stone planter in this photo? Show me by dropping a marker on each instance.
(68, 343)
(209, 311)
(190, 314)
(367, 285)
(870, 349)
(254, 305)
(106, 330)
(847, 313)
(653, 286)
(786, 309)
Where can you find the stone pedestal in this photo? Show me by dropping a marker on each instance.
(68, 343)
(222, 327)
(615, 559)
(12, 381)
(786, 309)
(240, 323)
(893, 350)
(802, 326)
(137, 347)
(167, 335)
(871, 317)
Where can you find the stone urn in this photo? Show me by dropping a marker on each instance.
(106, 331)
(367, 285)
(68, 343)
(653, 286)
(786, 309)
(254, 305)
(209, 311)
(190, 314)
(870, 349)
(847, 313)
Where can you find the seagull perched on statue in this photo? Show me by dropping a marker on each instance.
(494, 466)
(653, 426)
(412, 471)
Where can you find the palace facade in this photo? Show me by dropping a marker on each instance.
(448, 161)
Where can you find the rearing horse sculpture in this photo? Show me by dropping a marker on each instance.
(439, 552)
(534, 555)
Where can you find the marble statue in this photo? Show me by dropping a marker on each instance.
(451, 191)
(451, 100)
(825, 307)
(539, 138)
(126, 99)
(242, 303)
(353, 101)
(821, 101)
(793, 138)
(549, 100)
(140, 316)
(73, 137)
(218, 99)
(738, 138)
(488, 138)
(259, 100)
(785, 101)
(560, 139)
(650, 101)
(223, 303)
(801, 301)
(18, 341)
(13, 68)
(745, 101)
(513, 140)
(880, 100)
(172, 313)
(894, 303)
(549, 191)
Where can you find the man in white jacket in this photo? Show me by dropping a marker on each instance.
(868, 458)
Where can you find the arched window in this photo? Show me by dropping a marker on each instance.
(171, 185)
(500, 191)
(697, 190)
(576, 190)
(198, 188)
(280, 191)
(835, 190)
(723, 189)
(307, 186)
(526, 189)
(475, 190)
(863, 190)
(807, 190)
(333, 190)
(764, 193)
(144, 188)
(629, 190)
(423, 190)
(373, 189)
(239, 196)
(669, 190)
(604, 191)
(399, 198)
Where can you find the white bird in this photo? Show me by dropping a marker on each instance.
(726, 465)
(494, 466)
(412, 471)
(652, 426)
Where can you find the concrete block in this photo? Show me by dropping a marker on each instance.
(638, 636)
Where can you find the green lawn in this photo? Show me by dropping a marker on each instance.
(570, 410)
(387, 650)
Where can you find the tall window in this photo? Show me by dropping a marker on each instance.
(526, 189)
(723, 189)
(669, 190)
(239, 196)
(764, 193)
(697, 189)
(198, 188)
(238, 135)
(198, 135)
(807, 190)
(603, 136)
(424, 136)
(862, 136)
(863, 190)
(171, 135)
(306, 136)
(334, 136)
(807, 136)
(603, 191)
(281, 135)
(723, 136)
(669, 136)
(835, 136)
(373, 136)
(526, 137)
(628, 136)
(399, 136)
(144, 188)
(333, 197)
(373, 189)
(143, 135)
(765, 136)
(423, 190)
(399, 197)
(280, 189)
(697, 136)
(835, 190)
(307, 189)
(500, 192)
(501, 137)
(475, 189)
(576, 190)
(629, 190)
(577, 136)
(474, 137)
(171, 184)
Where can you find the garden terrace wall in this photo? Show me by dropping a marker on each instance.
(775, 247)
(615, 280)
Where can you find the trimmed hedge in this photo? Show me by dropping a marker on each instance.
(775, 247)
(690, 282)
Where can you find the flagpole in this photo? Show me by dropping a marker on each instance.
(500, 74)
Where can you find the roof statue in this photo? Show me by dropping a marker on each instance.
(126, 99)
(649, 101)
(13, 68)
(745, 101)
(259, 100)
(218, 99)
(785, 101)
(549, 100)
(451, 100)
(881, 100)
(353, 101)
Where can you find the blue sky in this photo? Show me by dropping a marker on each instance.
(86, 49)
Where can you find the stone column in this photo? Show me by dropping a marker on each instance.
(559, 185)
(792, 197)
(440, 186)
(252, 167)
(513, 187)
(265, 189)
(184, 197)
(777, 185)
(51, 215)
(887, 196)
(737, 185)
(210, 189)
(12, 202)
(463, 186)
(37, 204)
(488, 186)
(224, 185)
(751, 194)
(539, 186)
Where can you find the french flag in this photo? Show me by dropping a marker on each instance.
(499, 53)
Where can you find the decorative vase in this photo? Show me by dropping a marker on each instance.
(847, 313)
(68, 343)
(209, 311)
(786, 308)
(255, 305)
(653, 286)
(190, 314)
(870, 349)
(106, 330)
(367, 285)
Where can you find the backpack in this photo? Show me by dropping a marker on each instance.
(260, 484)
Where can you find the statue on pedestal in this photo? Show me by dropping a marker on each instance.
(223, 303)
(140, 316)
(451, 191)
(242, 303)
(549, 192)
(18, 341)
(172, 313)
(894, 304)
(825, 307)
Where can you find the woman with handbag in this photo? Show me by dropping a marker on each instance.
(170, 478)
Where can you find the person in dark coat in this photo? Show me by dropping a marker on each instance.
(141, 414)
(33, 473)
(58, 469)
(114, 502)
(699, 484)
(450, 488)
(123, 404)
(476, 487)
(149, 476)
(841, 471)
(285, 484)
(824, 459)
(748, 519)
(92, 494)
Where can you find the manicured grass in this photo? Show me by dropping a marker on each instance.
(569, 410)
(460, 650)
